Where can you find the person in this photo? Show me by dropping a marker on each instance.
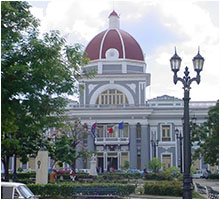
(53, 176)
(72, 175)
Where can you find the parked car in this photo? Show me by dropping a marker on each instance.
(201, 174)
(206, 174)
(84, 171)
(134, 171)
(120, 171)
(12, 190)
(63, 170)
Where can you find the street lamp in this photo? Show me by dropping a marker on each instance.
(175, 63)
(180, 137)
(154, 143)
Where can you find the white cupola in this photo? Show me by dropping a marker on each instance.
(114, 20)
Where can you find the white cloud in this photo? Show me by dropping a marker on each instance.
(192, 24)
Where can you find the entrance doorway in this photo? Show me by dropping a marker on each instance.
(100, 164)
(166, 160)
(112, 161)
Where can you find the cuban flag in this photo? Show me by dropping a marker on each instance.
(120, 126)
(93, 128)
(110, 130)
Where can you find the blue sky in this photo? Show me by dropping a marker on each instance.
(158, 26)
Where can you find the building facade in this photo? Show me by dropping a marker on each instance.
(117, 95)
(128, 128)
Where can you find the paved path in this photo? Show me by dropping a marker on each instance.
(208, 182)
(133, 196)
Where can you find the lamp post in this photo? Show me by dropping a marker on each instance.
(154, 143)
(175, 63)
(180, 137)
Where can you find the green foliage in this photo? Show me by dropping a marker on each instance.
(68, 138)
(24, 175)
(207, 137)
(37, 73)
(126, 165)
(155, 165)
(174, 171)
(213, 176)
(116, 176)
(66, 190)
(158, 176)
(171, 188)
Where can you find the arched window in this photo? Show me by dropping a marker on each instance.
(112, 96)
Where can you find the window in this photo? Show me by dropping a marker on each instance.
(138, 130)
(166, 136)
(124, 132)
(112, 97)
(166, 160)
(139, 161)
(124, 158)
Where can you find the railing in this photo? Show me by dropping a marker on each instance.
(193, 104)
(112, 140)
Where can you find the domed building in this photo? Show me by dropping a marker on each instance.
(117, 58)
(116, 95)
(126, 127)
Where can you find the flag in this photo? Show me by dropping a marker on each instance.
(110, 130)
(93, 130)
(120, 125)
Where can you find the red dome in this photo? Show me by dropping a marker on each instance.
(126, 45)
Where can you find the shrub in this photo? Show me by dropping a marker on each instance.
(171, 188)
(213, 176)
(24, 175)
(158, 176)
(25, 181)
(155, 165)
(67, 190)
(180, 177)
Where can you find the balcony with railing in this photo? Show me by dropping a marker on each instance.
(111, 140)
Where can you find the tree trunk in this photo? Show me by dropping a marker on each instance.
(15, 171)
(6, 166)
(73, 166)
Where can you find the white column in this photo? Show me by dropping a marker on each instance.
(105, 161)
(99, 68)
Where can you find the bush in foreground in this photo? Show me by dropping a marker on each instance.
(67, 190)
(171, 188)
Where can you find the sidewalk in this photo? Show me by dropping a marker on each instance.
(135, 196)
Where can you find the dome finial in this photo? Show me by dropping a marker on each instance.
(114, 20)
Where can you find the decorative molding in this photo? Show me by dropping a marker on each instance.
(111, 86)
(91, 87)
(132, 86)
(165, 98)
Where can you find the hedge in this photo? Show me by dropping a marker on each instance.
(213, 176)
(66, 190)
(23, 175)
(171, 188)
(158, 176)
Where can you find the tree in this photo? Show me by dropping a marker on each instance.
(36, 75)
(155, 165)
(69, 144)
(126, 165)
(207, 137)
